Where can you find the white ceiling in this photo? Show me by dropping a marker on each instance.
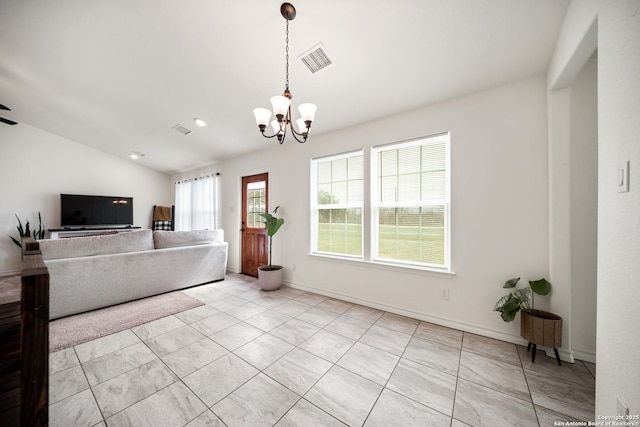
(118, 75)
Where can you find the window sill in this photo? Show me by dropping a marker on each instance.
(441, 273)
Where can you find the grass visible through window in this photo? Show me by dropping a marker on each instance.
(407, 243)
(340, 238)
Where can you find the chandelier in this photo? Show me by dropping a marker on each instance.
(282, 103)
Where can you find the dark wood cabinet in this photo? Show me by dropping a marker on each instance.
(24, 344)
(10, 361)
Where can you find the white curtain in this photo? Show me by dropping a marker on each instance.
(197, 203)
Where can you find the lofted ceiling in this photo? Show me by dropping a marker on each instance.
(118, 75)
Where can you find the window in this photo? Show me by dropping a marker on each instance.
(256, 204)
(404, 220)
(196, 203)
(410, 200)
(337, 204)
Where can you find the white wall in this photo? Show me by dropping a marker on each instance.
(559, 111)
(618, 342)
(499, 207)
(584, 210)
(36, 166)
(576, 44)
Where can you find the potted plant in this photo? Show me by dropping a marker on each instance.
(26, 231)
(538, 327)
(270, 276)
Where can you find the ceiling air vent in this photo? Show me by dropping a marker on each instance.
(316, 58)
(183, 130)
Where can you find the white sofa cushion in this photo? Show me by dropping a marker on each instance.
(130, 241)
(174, 239)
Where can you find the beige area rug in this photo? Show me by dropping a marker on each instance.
(74, 330)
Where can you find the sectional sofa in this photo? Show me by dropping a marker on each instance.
(92, 272)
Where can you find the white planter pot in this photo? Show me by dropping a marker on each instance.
(270, 280)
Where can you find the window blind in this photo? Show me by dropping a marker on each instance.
(411, 202)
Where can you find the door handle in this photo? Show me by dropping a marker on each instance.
(242, 229)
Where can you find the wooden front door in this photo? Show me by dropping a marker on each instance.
(255, 190)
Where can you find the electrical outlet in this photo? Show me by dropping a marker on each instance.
(622, 409)
(444, 294)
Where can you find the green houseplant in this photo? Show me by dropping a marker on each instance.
(270, 276)
(536, 326)
(26, 231)
(518, 298)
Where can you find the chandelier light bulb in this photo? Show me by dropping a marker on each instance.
(276, 126)
(262, 116)
(302, 126)
(307, 111)
(280, 105)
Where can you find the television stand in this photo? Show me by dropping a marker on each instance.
(60, 233)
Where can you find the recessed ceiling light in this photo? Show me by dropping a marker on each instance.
(135, 155)
(199, 122)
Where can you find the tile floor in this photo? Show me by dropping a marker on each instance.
(293, 358)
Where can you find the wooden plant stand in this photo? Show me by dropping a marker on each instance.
(543, 329)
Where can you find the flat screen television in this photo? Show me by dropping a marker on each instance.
(95, 211)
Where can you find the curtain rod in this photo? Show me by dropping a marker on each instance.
(197, 177)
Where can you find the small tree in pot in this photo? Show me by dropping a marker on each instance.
(270, 276)
(536, 326)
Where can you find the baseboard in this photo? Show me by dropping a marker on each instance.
(491, 333)
(585, 355)
(9, 273)
(565, 355)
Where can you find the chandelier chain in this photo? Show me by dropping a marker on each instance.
(287, 56)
